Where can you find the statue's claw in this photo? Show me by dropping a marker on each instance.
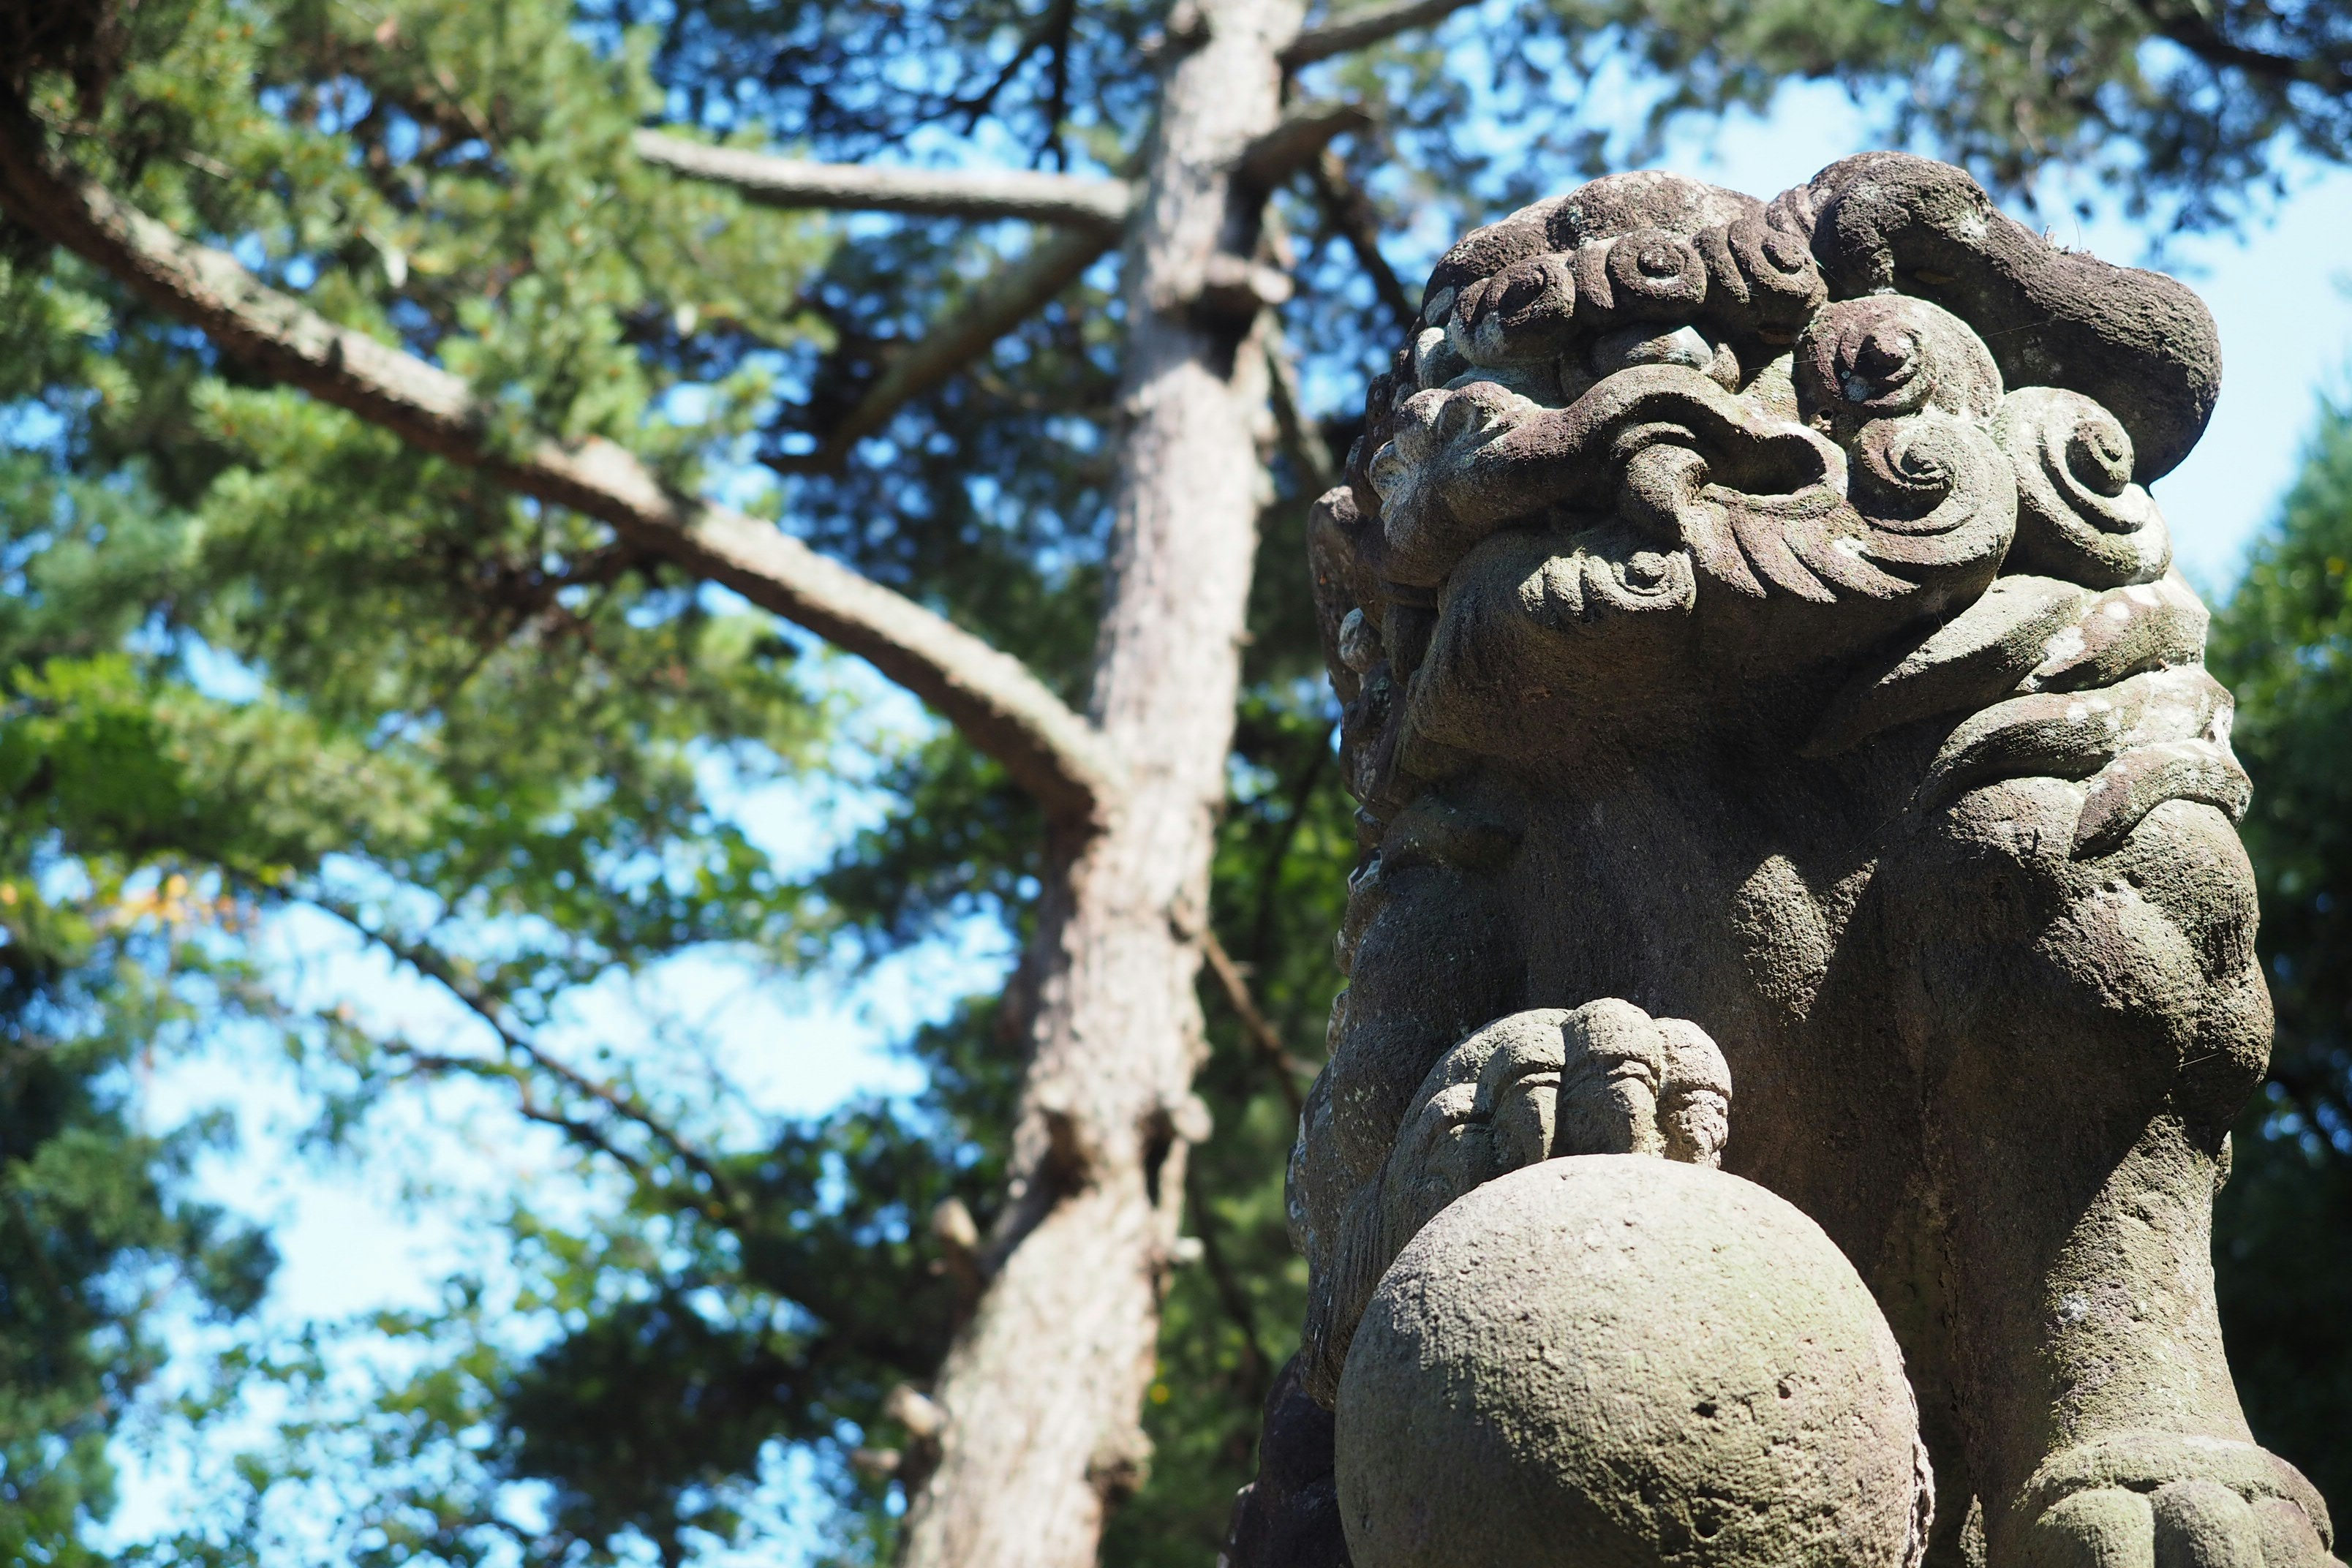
(2156, 1501)
(1604, 1078)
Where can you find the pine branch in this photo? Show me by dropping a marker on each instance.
(1349, 211)
(2193, 29)
(1364, 29)
(1099, 205)
(585, 1134)
(1003, 709)
(999, 305)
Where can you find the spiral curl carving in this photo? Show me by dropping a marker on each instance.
(1889, 353)
(1526, 312)
(1763, 277)
(2079, 515)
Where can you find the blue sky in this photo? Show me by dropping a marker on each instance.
(351, 1242)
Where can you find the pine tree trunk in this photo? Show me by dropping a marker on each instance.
(1042, 1390)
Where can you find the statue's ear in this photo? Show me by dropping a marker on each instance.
(2141, 344)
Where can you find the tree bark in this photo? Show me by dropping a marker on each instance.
(1043, 1389)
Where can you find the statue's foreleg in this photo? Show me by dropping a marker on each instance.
(2087, 1027)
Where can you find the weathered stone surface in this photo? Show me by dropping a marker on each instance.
(1612, 1360)
(1751, 621)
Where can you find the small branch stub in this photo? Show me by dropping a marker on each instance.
(916, 1411)
(1232, 286)
(1294, 143)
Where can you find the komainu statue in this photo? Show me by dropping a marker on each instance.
(1782, 744)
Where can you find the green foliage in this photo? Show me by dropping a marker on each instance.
(2284, 643)
(103, 961)
(262, 655)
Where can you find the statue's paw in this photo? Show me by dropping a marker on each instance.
(1603, 1078)
(2150, 1500)
(1608, 1079)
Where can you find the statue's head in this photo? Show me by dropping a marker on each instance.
(1656, 444)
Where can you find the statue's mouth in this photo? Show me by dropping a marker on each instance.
(1866, 470)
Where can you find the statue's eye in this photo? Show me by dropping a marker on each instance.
(1885, 360)
(1887, 356)
(1531, 290)
(1784, 250)
(1519, 291)
(1523, 312)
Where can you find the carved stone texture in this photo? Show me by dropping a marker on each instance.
(1756, 633)
(1618, 1361)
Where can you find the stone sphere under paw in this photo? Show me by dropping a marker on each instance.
(1616, 1362)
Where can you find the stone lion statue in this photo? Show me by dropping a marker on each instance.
(1764, 676)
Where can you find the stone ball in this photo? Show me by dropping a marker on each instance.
(1614, 1362)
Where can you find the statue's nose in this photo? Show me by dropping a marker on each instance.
(1631, 346)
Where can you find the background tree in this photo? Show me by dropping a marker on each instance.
(2283, 642)
(479, 581)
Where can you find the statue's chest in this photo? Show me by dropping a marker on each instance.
(1726, 906)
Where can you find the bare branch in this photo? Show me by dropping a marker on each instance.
(1062, 17)
(1294, 142)
(1364, 29)
(1305, 443)
(1100, 206)
(585, 1134)
(1255, 1024)
(1351, 212)
(998, 306)
(2192, 28)
(1004, 709)
(446, 972)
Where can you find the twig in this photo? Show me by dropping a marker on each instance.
(443, 970)
(999, 305)
(976, 108)
(529, 1110)
(1062, 16)
(1255, 1024)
